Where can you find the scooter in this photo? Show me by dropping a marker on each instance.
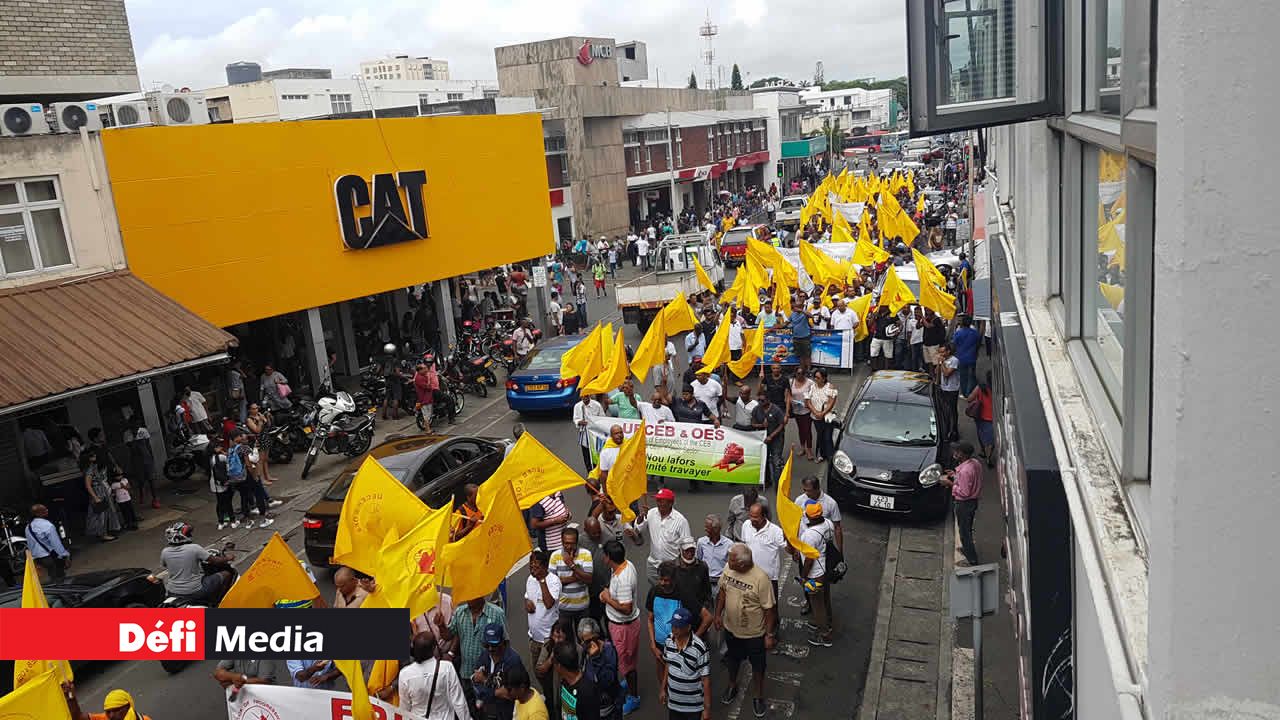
(173, 601)
(187, 451)
(13, 543)
(339, 429)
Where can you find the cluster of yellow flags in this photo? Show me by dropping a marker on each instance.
(933, 294)
(275, 575)
(675, 317)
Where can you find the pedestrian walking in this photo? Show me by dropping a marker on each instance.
(666, 526)
(747, 612)
(965, 482)
(684, 673)
(818, 534)
(45, 545)
(713, 549)
(979, 408)
(348, 593)
(579, 697)
(801, 334)
(766, 541)
(430, 687)
(623, 613)
(572, 565)
(948, 379)
(542, 603)
(798, 399)
(822, 407)
(742, 409)
(693, 577)
(117, 705)
(598, 272)
(740, 509)
(586, 408)
(600, 664)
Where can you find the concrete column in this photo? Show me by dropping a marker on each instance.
(312, 351)
(151, 415)
(444, 313)
(1034, 216)
(348, 356)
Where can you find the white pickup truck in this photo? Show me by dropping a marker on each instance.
(788, 213)
(642, 298)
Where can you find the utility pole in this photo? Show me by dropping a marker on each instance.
(671, 170)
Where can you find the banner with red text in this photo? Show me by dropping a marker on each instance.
(692, 451)
(274, 702)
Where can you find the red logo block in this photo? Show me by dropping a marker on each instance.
(102, 634)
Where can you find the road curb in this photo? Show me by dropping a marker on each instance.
(947, 626)
(880, 643)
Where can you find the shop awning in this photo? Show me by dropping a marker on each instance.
(750, 159)
(64, 337)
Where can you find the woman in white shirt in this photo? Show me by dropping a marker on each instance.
(798, 397)
(822, 403)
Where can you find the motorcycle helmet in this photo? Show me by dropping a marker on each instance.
(389, 349)
(178, 533)
(429, 357)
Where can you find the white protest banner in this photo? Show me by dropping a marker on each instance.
(274, 702)
(692, 451)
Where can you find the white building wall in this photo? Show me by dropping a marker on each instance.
(88, 208)
(1215, 634)
(1094, 690)
(296, 99)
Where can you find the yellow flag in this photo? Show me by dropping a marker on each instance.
(927, 270)
(937, 300)
(614, 373)
(895, 293)
(862, 306)
(920, 204)
(790, 515)
(864, 224)
(606, 346)
(408, 566)
(677, 316)
(703, 277)
(361, 708)
(275, 575)
(652, 350)
(25, 671)
(383, 675)
(735, 290)
(755, 272)
(812, 265)
(40, 697)
(752, 352)
(866, 254)
(534, 472)
(717, 352)
(583, 360)
(627, 480)
(479, 561)
(375, 502)
(781, 300)
(838, 220)
(1113, 293)
(841, 235)
(769, 257)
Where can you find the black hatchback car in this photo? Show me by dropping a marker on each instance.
(888, 452)
(434, 467)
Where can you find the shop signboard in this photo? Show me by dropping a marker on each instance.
(691, 451)
(313, 213)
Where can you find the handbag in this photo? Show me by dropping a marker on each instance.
(973, 408)
(283, 389)
(101, 506)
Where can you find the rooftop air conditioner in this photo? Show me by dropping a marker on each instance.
(178, 109)
(22, 119)
(127, 114)
(69, 117)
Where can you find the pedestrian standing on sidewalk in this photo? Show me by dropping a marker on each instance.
(965, 482)
(684, 675)
(220, 485)
(966, 341)
(258, 423)
(979, 408)
(142, 461)
(102, 520)
(45, 544)
(747, 612)
(948, 378)
(623, 613)
(124, 499)
(817, 534)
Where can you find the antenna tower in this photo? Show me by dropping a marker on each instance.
(709, 31)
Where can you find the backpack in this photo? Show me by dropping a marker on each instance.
(235, 463)
(834, 560)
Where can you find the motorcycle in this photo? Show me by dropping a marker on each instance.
(288, 426)
(173, 601)
(339, 429)
(373, 388)
(13, 543)
(473, 374)
(187, 451)
(281, 450)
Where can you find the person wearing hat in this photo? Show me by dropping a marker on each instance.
(666, 526)
(118, 705)
(493, 699)
(817, 533)
(693, 577)
(684, 675)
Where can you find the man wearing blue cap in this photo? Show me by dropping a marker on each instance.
(495, 701)
(685, 673)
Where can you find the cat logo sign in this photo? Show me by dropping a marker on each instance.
(391, 219)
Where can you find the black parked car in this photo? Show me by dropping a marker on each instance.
(124, 588)
(434, 467)
(888, 452)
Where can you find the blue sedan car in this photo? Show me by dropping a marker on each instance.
(537, 385)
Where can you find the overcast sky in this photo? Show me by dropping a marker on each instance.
(189, 43)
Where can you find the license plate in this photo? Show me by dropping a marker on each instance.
(308, 429)
(535, 388)
(882, 501)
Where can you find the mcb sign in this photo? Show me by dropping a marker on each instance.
(590, 52)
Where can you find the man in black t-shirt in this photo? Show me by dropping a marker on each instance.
(769, 417)
(774, 384)
(579, 697)
(688, 409)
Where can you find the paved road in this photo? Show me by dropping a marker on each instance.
(803, 681)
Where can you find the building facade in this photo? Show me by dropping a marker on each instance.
(1132, 257)
(852, 107)
(403, 67)
(301, 99)
(66, 50)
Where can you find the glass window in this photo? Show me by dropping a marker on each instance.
(453, 97)
(32, 233)
(1103, 267)
(977, 62)
(1111, 49)
(340, 103)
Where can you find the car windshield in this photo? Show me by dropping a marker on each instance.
(545, 359)
(792, 203)
(338, 489)
(893, 423)
(735, 237)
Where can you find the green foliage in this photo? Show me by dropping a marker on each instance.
(898, 85)
(735, 80)
(693, 81)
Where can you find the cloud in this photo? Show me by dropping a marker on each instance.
(185, 44)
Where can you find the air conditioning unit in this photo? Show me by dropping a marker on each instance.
(133, 113)
(69, 117)
(22, 119)
(178, 109)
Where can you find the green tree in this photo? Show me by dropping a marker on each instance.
(735, 79)
(765, 81)
(693, 81)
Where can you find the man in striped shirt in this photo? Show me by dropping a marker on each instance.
(685, 673)
(572, 564)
